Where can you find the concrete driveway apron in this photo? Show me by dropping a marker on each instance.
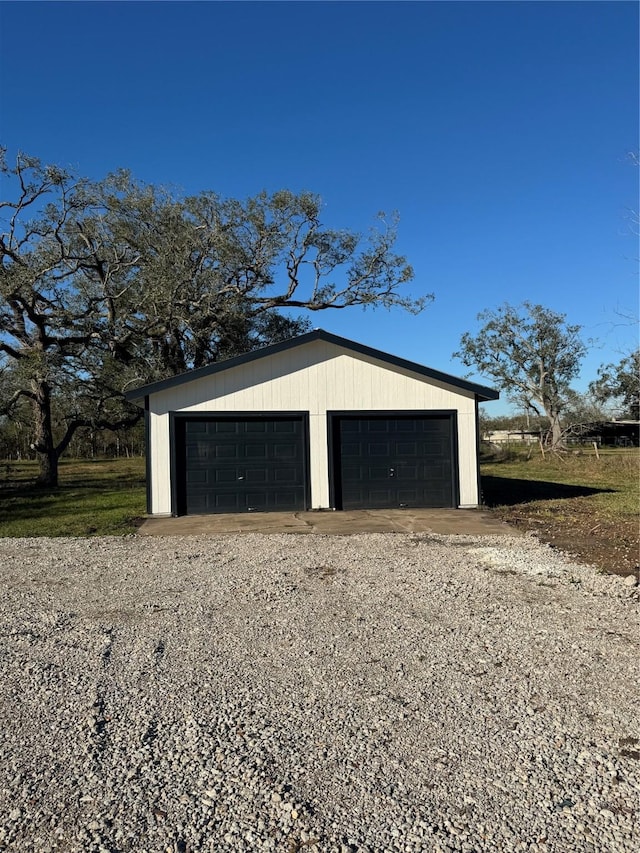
(470, 522)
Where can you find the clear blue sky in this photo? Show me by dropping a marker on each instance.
(498, 131)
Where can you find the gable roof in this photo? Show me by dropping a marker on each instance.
(481, 391)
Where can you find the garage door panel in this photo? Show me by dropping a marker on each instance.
(408, 472)
(377, 472)
(224, 476)
(220, 451)
(255, 451)
(386, 462)
(242, 465)
(406, 448)
(378, 449)
(408, 496)
(352, 449)
(221, 502)
(381, 496)
(286, 451)
(288, 476)
(197, 477)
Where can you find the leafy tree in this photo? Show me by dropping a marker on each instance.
(619, 384)
(581, 409)
(207, 263)
(514, 422)
(530, 352)
(111, 283)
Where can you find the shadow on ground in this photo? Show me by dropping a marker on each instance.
(504, 491)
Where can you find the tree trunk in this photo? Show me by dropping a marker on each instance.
(43, 435)
(556, 431)
(48, 476)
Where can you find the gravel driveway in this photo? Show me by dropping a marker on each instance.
(376, 692)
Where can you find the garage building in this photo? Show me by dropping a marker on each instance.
(315, 422)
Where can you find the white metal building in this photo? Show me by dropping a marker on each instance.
(316, 422)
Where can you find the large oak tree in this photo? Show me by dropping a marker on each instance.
(105, 284)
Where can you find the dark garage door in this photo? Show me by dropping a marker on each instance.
(381, 462)
(242, 465)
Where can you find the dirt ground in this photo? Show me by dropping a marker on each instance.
(612, 546)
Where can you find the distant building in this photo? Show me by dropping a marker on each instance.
(511, 436)
(623, 433)
(610, 433)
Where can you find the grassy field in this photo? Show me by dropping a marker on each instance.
(577, 502)
(95, 497)
(583, 504)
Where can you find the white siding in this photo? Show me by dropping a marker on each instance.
(316, 377)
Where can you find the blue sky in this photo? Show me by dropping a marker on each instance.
(498, 131)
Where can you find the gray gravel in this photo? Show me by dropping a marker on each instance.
(314, 693)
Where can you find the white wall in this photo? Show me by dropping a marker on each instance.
(315, 377)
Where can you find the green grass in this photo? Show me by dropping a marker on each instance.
(95, 498)
(609, 483)
(582, 504)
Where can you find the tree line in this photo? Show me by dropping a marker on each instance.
(109, 284)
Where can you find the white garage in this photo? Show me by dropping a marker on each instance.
(315, 422)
